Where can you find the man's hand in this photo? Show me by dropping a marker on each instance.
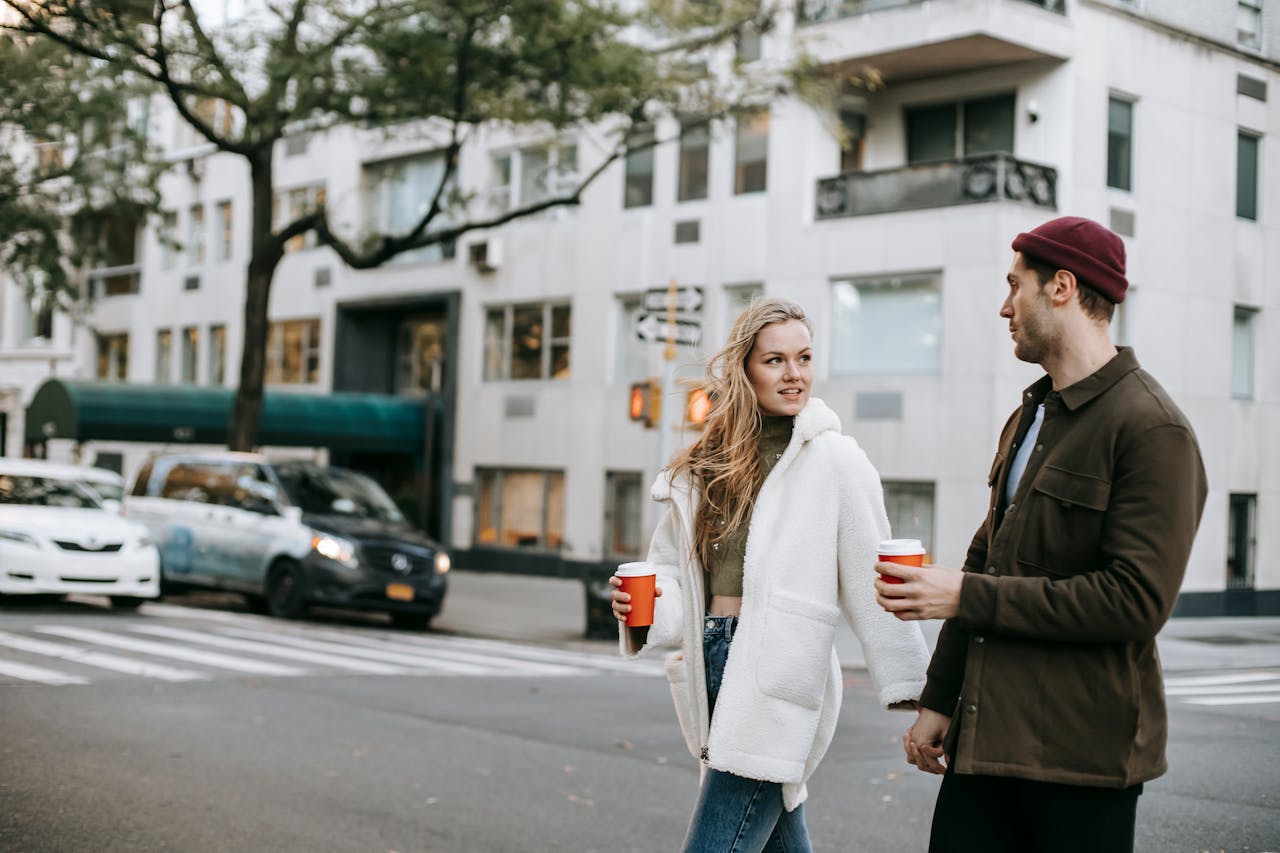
(931, 592)
(923, 741)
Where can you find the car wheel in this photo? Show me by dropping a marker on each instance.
(286, 597)
(411, 621)
(126, 602)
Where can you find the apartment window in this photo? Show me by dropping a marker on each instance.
(1247, 175)
(887, 325)
(225, 231)
(1241, 539)
(500, 182)
(1242, 352)
(962, 129)
(751, 154)
(624, 500)
(1120, 144)
(217, 355)
(399, 194)
(736, 298)
(290, 205)
(638, 187)
(168, 234)
(164, 356)
(547, 172)
(748, 45)
(420, 355)
(853, 139)
(910, 510)
(633, 355)
(37, 318)
(195, 235)
(121, 273)
(190, 354)
(113, 356)
(520, 509)
(527, 342)
(293, 352)
(695, 142)
(1249, 23)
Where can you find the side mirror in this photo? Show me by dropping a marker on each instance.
(292, 514)
(112, 505)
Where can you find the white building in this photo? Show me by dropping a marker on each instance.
(1156, 117)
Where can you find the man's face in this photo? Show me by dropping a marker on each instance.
(1030, 314)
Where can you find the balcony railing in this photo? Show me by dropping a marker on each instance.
(817, 11)
(942, 183)
(115, 281)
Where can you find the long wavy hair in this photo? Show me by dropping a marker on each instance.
(724, 461)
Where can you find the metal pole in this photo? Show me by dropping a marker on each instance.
(670, 395)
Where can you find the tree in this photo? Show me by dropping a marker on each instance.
(451, 66)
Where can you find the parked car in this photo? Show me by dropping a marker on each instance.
(287, 536)
(56, 538)
(108, 484)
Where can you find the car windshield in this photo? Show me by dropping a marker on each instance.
(45, 491)
(333, 491)
(106, 491)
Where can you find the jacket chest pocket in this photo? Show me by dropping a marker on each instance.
(1061, 527)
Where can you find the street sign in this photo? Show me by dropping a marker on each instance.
(654, 329)
(688, 299)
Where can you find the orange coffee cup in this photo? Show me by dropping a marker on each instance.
(908, 552)
(638, 581)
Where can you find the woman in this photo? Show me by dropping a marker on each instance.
(770, 533)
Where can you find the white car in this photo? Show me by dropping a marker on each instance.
(56, 538)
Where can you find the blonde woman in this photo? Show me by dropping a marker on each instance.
(770, 534)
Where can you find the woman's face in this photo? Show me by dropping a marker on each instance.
(780, 367)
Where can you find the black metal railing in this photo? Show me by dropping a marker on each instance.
(942, 183)
(817, 11)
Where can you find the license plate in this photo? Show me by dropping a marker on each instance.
(399, 592)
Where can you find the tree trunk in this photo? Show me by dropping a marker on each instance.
(246, 412)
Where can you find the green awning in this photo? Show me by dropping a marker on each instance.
(117, 411)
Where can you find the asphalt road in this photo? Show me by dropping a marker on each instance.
(350, 736)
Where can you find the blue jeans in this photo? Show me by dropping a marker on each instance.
(734, 814)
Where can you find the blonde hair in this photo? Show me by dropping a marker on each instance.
(724, 461)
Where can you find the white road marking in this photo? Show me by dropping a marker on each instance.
(1233, 678)
(1224, 690)
(263, 648)
(1234, 700)
(415, 661)
(101, 660)
(220, 661)
(35, 673)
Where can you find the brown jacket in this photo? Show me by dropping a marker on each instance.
(1049, 669)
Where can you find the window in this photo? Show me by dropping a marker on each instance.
(520, 509)
(1120, 144)
(887, 325)
(113, 357)
(638, 186)
(546, 172)
(420, 355)
(1247, 176)
(195, 235)
(290, 205)
(910, 510)
(963, 129)
(500, 182)
(736, 298)
(190, 354)
(164, 356)
(398, 195)
(527, 342)
(293, 352)
(226, 231)
(624, 499)
(217, 355)
(38, 320)
(747, 43)
(632, 359)
(751, 154)
(1249, 23)
(218, 114)
(1242, 352)
(168, 233)
(695, 143)
(853, 139)
(1241, 540)
(121, 273)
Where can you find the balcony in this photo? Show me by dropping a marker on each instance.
(916, 39)
(115, 281)
(943, 183)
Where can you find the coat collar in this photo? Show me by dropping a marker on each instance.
(1074, 396)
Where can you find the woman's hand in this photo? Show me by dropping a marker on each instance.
(621, 600)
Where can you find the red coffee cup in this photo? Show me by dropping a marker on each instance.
(908, 552)
(638, 581)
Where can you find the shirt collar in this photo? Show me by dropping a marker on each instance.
(1074, 396)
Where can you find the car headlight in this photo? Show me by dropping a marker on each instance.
(145, 541)
(19, 537)
(335, 548)
(443, 563)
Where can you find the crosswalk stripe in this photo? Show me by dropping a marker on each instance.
(27, 672)
(503, 658)
(368, 667)
(570, 657)
(1232, 678)
(220, 661)
(1224, 689)
(415, 661)
(100, 660)
(1234, 700)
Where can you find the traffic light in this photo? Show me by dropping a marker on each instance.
(697, 407)
(645, 402)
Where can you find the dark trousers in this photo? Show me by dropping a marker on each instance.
(999, 814)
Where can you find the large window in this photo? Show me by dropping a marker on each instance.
(638, 187)
(1242, 352)
(1120, 144)
(167, 235)
(546, 172)
(195, 235)
(1246, 175)
(632, 361)
(736, 298)
(420, 355)
(910, 510)
(226, 232)
(1249, 23)
(853, 139)
(190, 354)
(164, 356)
(113, 356)
(1240, 540)
(961, 129)
(293, 352)
(520, 509)
(527, 342)
(695, 141)
(751, 154)
(37, 317)
(624, 506)
(217, 354)
(399, 193)
(289, 205)
(887, 325)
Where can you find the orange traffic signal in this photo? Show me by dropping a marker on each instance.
(645, 402)
(697, 407)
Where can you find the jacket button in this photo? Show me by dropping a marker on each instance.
(1039, 447)
(971, 709)
(1011, 508)
(979, 640)
(991, 570)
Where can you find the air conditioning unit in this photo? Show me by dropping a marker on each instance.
(486, 255)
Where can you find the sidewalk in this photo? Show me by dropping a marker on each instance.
(552, 610)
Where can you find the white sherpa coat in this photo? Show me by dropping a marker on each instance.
(810, 555)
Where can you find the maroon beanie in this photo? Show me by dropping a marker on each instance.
(1095, 255)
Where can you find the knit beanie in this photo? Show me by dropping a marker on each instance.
(1094, 254)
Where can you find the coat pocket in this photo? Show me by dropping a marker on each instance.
(795, 655)
(1063, 524)
(684, 697)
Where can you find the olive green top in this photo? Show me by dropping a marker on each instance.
(727, 555)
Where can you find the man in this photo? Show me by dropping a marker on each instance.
(1044, 693)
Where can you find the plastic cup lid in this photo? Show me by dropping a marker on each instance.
(900, 547)
(634, 570)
